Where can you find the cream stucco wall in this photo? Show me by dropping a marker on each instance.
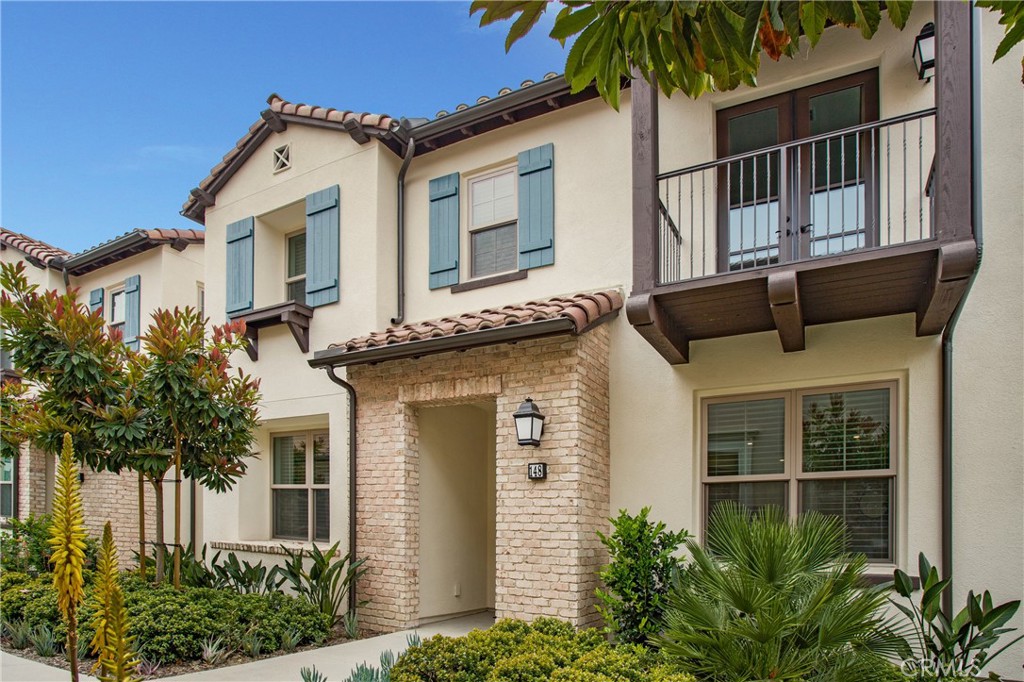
(457, 450)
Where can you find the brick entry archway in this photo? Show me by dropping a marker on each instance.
(548, 553)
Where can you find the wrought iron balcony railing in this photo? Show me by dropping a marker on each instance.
(859, 188)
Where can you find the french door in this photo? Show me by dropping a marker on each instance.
(797, 200)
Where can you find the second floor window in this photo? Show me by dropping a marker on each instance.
(492, 223)
(295, 282)
(117, 308)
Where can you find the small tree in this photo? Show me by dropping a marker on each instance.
(67, 537)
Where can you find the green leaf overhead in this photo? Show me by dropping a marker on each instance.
(695, 46)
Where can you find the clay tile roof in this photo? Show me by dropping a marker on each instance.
(282, 106)
(582, 310)
(33, 248)
(173, 235)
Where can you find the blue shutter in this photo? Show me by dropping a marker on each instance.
(444, 231)
(323, 247)
(239, 266)
(537, 207)
(132, 311)
(95, 300)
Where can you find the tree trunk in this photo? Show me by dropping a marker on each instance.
(161, 549)
(177, 512)
(142, 527)
(72, 644)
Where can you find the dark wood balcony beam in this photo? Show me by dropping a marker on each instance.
(953, 121)
(784, 299)
(649, 319)
(645, 185)
(955, 263)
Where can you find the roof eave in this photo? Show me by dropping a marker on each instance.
(339, 357)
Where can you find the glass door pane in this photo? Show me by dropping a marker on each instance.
(752, 187)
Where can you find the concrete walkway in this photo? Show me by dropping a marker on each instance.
(336, 662)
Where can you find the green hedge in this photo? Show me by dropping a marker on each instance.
(171, 625)
(548, 649)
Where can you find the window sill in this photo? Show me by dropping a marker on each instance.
(264, 547)
(489, 281)
(882, 578)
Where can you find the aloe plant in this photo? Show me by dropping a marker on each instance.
(67, 538)
(958, 647)
(112, 643)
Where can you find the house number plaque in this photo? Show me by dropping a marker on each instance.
(537, 471)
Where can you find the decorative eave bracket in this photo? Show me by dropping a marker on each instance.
(295, 315)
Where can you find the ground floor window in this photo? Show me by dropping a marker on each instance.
(830, 450)
(7, 490)
(300, 486)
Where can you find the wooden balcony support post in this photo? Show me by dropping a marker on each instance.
(784, 299)
(644, 97)
(953, 121)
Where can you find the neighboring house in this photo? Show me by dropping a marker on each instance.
(785, 287)
(126, 278)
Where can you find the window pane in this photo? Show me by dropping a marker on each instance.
(846, 431)
(322, 515)
(321, 459)
(290, 460)
(117, 307)
(494, 251)
(750, 495)
(297, 291)
(746, 438)
(864, 504)
(6, 499)
(493, 199)
(291, 514)
(6, 469)
(297, 255)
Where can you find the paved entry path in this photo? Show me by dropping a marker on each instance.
(336, 662)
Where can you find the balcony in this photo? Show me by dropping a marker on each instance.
(866, 221)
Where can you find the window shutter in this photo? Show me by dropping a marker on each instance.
(444, 231)
(537, 207)
(132, 312)
(95, 300)
(323, 247)
(239, 266)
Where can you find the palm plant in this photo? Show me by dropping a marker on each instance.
(767, 599)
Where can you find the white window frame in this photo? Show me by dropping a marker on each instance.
(297, 278)
(308, 486)
(117, 324)
(471, 229)
(14, 488)
(201, 299)
(793, 473)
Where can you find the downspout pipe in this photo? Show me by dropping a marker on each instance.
(947, 334)
(410, 151)
(351, 475)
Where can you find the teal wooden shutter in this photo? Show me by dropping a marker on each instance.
(444, 231)
(537, 207)
(323, 247)
(132, 311)
(239, 266)
(95, 300)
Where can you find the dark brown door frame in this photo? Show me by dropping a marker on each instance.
(794, 193)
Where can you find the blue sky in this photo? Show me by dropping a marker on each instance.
(111, 111)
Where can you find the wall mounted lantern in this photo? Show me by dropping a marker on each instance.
(529, 423)
(924, 52)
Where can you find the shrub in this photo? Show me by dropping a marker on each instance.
(514, 651)
(638, 577)
(771, 599)
(24, 547)
(170, 625)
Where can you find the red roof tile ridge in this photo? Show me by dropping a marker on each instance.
(36, 248)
